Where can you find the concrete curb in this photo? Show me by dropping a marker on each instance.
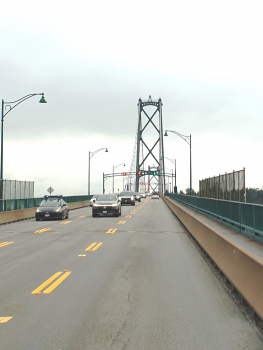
(242, 268)
(22, 214)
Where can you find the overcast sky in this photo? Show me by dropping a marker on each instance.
(93, 60)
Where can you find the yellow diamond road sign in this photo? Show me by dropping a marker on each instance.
(50, 190)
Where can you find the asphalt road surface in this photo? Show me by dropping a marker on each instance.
(133, 282)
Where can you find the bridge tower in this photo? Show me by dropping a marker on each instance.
(144, 150)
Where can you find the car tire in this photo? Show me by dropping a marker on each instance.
(94, 215)
(67, 216)
(37, 219)
(62, 216)
(133, 203)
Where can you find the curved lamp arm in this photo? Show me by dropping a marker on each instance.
(93, 153)
(116, 166)
(171, 160)
(184, 137)
(17, 102)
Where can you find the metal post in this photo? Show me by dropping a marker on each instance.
(103, 189)
(190, 166)
(89, 176)
(113, 179)
(175, 175)
(2, 150)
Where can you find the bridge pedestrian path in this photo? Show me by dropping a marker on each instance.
(232, 234)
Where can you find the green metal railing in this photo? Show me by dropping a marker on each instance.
(16, 204)
(248, 218)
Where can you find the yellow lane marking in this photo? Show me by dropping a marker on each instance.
(5, 243)
(5, 319)
(45, 284)
(127, 217)
(135, 210)
(91, 246)
(57, 283)
(82, 254)
(111, 230)
(65, 222)
(97, 246)
(83, 216)
(132, 213)
(43, 230)
(121, 222)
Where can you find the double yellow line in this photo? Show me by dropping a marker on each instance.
(5, 243)
(53, 285)
(92, 245)
(112, 230)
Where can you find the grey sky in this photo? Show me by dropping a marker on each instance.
(93, 60)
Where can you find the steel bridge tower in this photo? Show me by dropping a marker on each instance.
(141, 145)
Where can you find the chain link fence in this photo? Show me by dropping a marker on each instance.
(229, 186)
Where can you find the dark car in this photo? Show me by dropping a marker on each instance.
(127, 197)
(106, 204)
(52, 207)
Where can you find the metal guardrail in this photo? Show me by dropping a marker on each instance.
(16, 204)
(248, 218)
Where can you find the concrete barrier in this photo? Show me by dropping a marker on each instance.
(243, 268)
(22, 214)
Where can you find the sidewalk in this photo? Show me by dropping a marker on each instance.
(247, 243)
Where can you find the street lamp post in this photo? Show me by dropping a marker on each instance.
(174, 162)
(187, 139)
(11, 106)
(171, 171)
(91, 154)
(115, 167)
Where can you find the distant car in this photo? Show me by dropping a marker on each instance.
(155, 195)
(137, 196)
(93, 199)
(52, 207)
(127, 197)
(143, 195)
(106, 204)
(148, 194)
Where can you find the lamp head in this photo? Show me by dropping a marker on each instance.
(42, 100)
(106, 150)
(165, 133)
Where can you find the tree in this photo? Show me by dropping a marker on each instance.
(254, 195)
(187, 192)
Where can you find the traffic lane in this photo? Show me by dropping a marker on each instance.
(155, 216)
(29, 235)
(44, 320)
(161, 295)
(18, 259)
